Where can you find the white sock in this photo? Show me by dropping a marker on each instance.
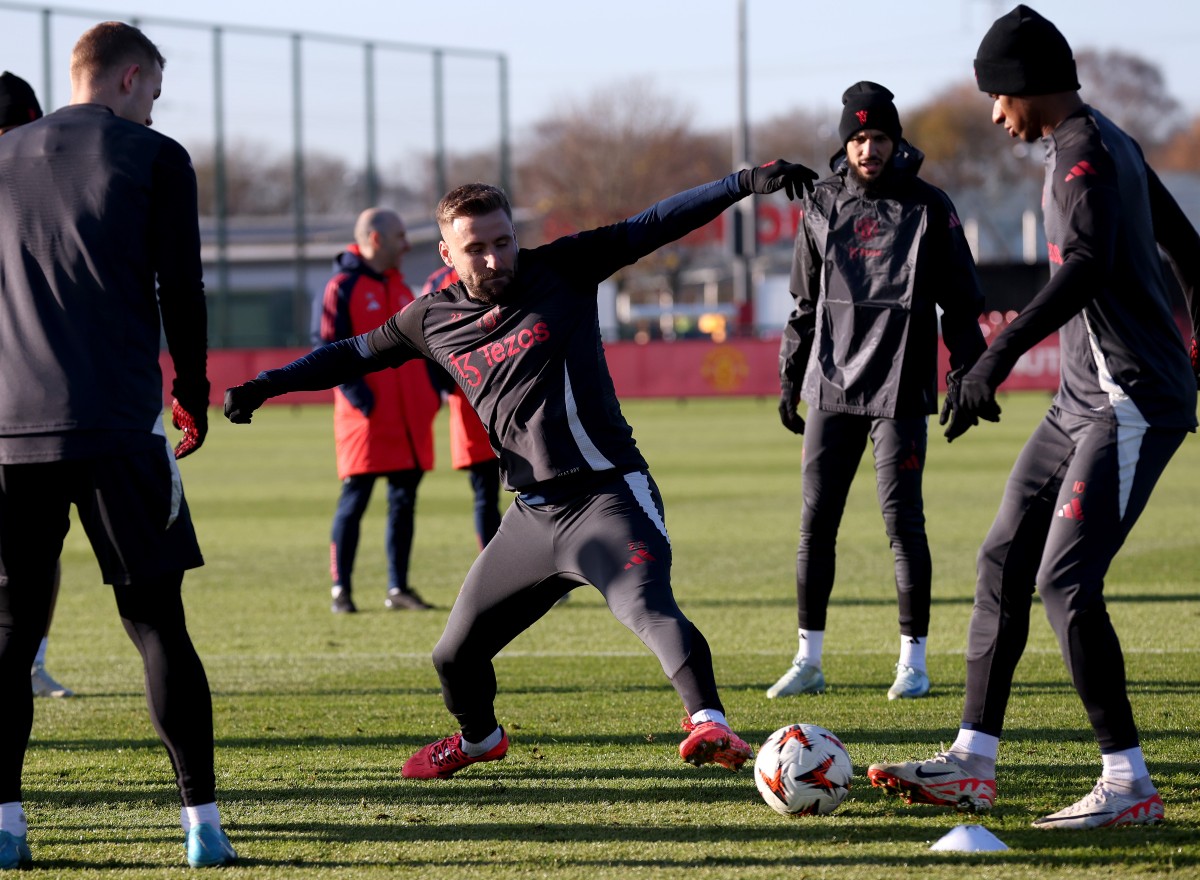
(709, 715)
(12, 819)
(477, 749)
(976, 744)
(912, 652)
(812, 645)
(206, 813)
(1128, 765)
(40, 657)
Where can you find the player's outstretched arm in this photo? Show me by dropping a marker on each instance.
(334, 364)
(675, 216)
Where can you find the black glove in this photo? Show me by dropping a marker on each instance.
(1194, 351)
(194, 424)
(777, 175)
(950, 404)
(966, 404)
(242, 400)
(788, 399)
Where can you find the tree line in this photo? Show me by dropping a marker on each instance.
(619, 149)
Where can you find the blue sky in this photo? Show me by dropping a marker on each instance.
(802, 53)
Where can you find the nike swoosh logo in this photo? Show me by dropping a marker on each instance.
(933, 774)
(1048, 819)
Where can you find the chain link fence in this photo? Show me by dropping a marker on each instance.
(292, 135)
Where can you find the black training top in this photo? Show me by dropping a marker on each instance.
(870, 269)
(95, 207)
(532, 366)
(1106, 213)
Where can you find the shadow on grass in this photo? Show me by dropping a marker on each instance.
(535, 779)
(889, 600)
(656, 738)
(837, 842)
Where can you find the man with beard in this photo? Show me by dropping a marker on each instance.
(519, 333)
(878, 251)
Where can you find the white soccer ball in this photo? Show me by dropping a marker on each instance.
(803, 770)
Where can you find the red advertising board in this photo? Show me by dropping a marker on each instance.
(685, 368)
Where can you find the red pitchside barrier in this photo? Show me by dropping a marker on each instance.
(686, 368)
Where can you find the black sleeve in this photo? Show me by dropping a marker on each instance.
(599, 253)
(401, 337)
(175, 231)
(1087, 265)
(805, 287)
(348, 359)
(325, 367)
(960, 294)
(1179, 240)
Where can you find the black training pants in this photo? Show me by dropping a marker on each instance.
(833, 447)
(1073, 496)
(614, 538)
(122, 502)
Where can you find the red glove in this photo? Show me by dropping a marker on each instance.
(193, 425)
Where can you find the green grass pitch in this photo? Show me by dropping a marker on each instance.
(315, 713)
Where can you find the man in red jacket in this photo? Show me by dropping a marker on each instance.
(383, 422)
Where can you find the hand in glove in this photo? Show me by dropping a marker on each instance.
(777, 175)
(242, 400)
(193, 423)
(788, 400)
(967, 401)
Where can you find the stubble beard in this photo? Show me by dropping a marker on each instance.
(479, 288)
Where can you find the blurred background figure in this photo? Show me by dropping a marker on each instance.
(383, 422)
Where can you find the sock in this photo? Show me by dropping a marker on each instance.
(812, 645)
(912, 652)
(337, 590)
(40, 658)
(12, 819)
(206, 813)
(709, 715)
(975, 744)
(1127, 765)
(477, 749)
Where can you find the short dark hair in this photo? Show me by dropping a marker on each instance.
(109, 45)
(471, 200)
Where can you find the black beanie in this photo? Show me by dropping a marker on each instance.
(868, 105)
(18, 104)
(1024, 54)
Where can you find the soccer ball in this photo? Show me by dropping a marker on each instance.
(803, 770)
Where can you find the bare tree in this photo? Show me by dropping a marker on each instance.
(1131, 92)
(1179, 152)
(805, 136)
(612, 154)
(259, 182)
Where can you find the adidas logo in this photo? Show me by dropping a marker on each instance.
(1080, 169)
(1072, 510)
(912, 463)
(641, 557)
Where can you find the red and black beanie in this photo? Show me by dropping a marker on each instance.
(868, 105)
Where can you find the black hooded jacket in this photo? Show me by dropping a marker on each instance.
(870, 269)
